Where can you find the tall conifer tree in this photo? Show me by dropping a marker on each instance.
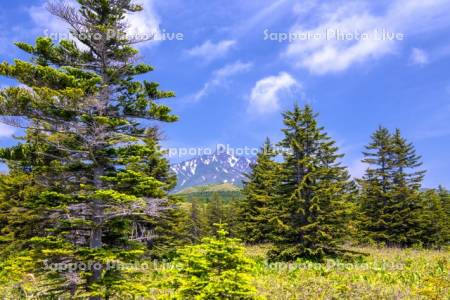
(445, 202)
(391, 190)
(432, 220)
(86, 147)
(312, 196)
(198, 222)
(260, 189)
(215, 212)
(171, 228)
(445, 196)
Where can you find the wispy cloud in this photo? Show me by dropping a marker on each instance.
(209, 51)
(266, 95)
(47, 24)
(220, 77)
(267, 15)
(330, 54)
(144, 23)
(419, 57)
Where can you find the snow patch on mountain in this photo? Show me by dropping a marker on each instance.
(216, 168)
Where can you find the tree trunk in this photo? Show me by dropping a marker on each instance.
(95, 241)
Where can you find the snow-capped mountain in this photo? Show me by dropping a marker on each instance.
(216, 168)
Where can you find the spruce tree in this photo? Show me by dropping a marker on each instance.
(215, 212)
(312, 195)
(260, 189)
(198, 222)
(432, 220)
(376, 183)
(171, 228)
(390, 199)
(444, 196)
(86, 148)
(215, 269)
(405, 163)
(17, 226)
(231, 216)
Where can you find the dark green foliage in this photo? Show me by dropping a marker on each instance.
(444, 195)
(405, 162)
(89, 184)
(215, 269)
(202, 215)
(231, 211)
(312, 202)
(215, 212)
(390, 199)
(218, 211)
(171, 230)
(260, 190)
(198, 225)
(92, 166)
(432, 220)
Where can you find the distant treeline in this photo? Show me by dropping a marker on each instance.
(206, 196)
(308, 206)
(89, 184)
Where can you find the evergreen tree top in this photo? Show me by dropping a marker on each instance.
(91, 151)
(392, 160)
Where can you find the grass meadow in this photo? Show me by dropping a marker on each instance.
(382, 273)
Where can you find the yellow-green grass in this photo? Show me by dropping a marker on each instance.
(386, 273)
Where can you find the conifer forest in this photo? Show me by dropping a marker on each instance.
(92, 206)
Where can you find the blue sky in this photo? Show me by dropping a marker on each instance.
(232, 78)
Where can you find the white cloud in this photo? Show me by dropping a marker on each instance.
(330, 55)
(419, 57)
(220, 77)
(210, 51)
(45, 21)
(266, 14)
(422, 57)
(266, 94)
(6, 131)
(232, 69)
(144, 23)
(304, 7)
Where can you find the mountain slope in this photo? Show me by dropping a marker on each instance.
(224, 187)
(226, 191)
(211, 169)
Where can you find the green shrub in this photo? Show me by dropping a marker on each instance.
(215, 269)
